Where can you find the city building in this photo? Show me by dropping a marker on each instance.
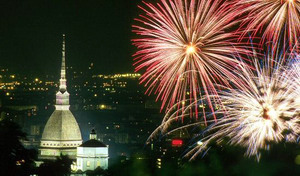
(61, 134)
(92, 154)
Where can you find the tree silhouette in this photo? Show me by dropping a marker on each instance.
(14, 158)
(60, 167)
(97, 172)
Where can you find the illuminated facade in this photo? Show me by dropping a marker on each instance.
(61, 134)
(92, 154)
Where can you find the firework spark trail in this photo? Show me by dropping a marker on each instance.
(261, 112)
(184, 49)
(274, 19)
(249, 122)
(294, 70)
(170, 118)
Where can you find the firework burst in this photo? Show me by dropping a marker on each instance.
(294, 70)
(274, 19)
(184, 49)
(259, 113)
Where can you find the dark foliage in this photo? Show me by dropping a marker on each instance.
(97, 172)
(60, 167)
(14, 158)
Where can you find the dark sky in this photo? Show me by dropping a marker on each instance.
(96, 31)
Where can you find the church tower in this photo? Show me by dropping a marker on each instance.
(61, 134)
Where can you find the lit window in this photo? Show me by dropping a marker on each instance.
(88, 163)
(98, 163)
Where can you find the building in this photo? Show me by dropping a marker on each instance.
(61, 134)
(92, 154)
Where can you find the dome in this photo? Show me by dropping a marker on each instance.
(61, 134)
(62, 126)
(93, 143)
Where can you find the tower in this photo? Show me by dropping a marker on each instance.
(61, 134)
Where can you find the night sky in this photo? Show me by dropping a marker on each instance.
(96, 31)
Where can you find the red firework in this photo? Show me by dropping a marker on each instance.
(184, 49)
(274, 20)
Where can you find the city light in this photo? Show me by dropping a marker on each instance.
(177, 142)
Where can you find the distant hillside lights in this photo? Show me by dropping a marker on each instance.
(109, 83)
(9, 86)
(126, 75)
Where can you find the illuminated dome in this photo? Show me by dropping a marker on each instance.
(61, 134)
(61, 126)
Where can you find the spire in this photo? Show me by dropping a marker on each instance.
(62, 85)
(62, 96)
